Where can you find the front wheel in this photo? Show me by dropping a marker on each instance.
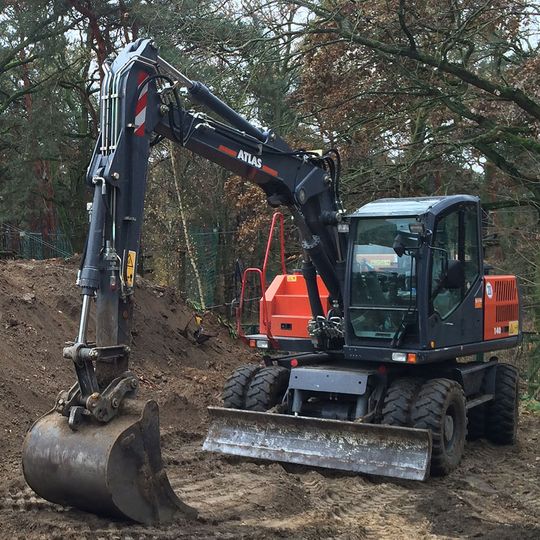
(440, 407)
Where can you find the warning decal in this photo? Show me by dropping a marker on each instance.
(513, 328)
(130, 268)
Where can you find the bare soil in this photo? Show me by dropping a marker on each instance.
(494, 494)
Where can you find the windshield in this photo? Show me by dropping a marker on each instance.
(383, 285)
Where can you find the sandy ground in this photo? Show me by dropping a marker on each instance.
(494, 494)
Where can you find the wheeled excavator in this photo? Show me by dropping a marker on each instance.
(375, 329)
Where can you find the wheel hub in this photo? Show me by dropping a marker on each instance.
(448, 428)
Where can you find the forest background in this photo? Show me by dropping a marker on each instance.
(420, 97)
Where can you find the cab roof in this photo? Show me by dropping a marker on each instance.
(411, 206)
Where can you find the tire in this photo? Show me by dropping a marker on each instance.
(476, 419)
(398, 401)
(236, 386)
(440, 407)
(267, 388)
(502, 412)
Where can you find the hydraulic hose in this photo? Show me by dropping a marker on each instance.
(316, 253)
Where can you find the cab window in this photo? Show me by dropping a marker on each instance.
(455, 239)
(472, 246)
(383, 285)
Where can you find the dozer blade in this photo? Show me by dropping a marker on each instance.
(112, 469)
(365, 448)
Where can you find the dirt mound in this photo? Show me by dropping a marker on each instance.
(494, 494)
(39, 311)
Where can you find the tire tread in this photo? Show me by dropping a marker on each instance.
(398, 401)
(428, 412)
(265, 388)
(236, 386)
(502, 412)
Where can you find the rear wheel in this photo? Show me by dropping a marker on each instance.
(440, 407)
(267, 388)
(398, 401)
(502, 412)
(236, 386)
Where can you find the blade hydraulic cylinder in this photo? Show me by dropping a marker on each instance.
(348, 446)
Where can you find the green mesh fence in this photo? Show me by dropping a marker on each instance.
(16, 242)
(215, 264)
(531, 345)
(205, 248)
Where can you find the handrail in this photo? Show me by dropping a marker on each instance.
(240, 308)
(266, 320)
(277, 216)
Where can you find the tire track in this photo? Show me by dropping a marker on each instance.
(361, 507)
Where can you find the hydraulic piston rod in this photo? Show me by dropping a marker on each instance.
(83, 324)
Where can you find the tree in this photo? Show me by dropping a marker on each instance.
(31, 64)
(451, 80)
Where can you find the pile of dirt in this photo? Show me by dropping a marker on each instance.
(494, 494)
(39, 312)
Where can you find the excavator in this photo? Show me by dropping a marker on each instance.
(374, 349)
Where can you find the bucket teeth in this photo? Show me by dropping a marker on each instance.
(113, 469)
(348, 446)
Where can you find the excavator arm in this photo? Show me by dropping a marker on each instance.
(98, 449)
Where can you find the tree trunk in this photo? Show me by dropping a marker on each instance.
(189, 248)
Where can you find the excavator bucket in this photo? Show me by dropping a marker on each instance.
(348, 446)
(112, 469)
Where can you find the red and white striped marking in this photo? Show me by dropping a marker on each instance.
(140, 109)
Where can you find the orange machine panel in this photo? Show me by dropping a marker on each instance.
(501, 307)
(284, 310)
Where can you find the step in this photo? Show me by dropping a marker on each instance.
(479, 400)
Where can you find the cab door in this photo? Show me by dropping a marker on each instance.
(455, 313)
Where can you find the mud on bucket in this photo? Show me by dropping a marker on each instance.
(112, 469)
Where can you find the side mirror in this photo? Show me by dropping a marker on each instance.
(398, 246)
(455, 275)
(405, 243)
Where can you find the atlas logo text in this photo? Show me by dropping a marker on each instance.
(254, 161)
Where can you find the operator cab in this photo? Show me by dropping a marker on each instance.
(415, 281)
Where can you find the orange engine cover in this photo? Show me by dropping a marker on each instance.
(285, 310)
(501, 307)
